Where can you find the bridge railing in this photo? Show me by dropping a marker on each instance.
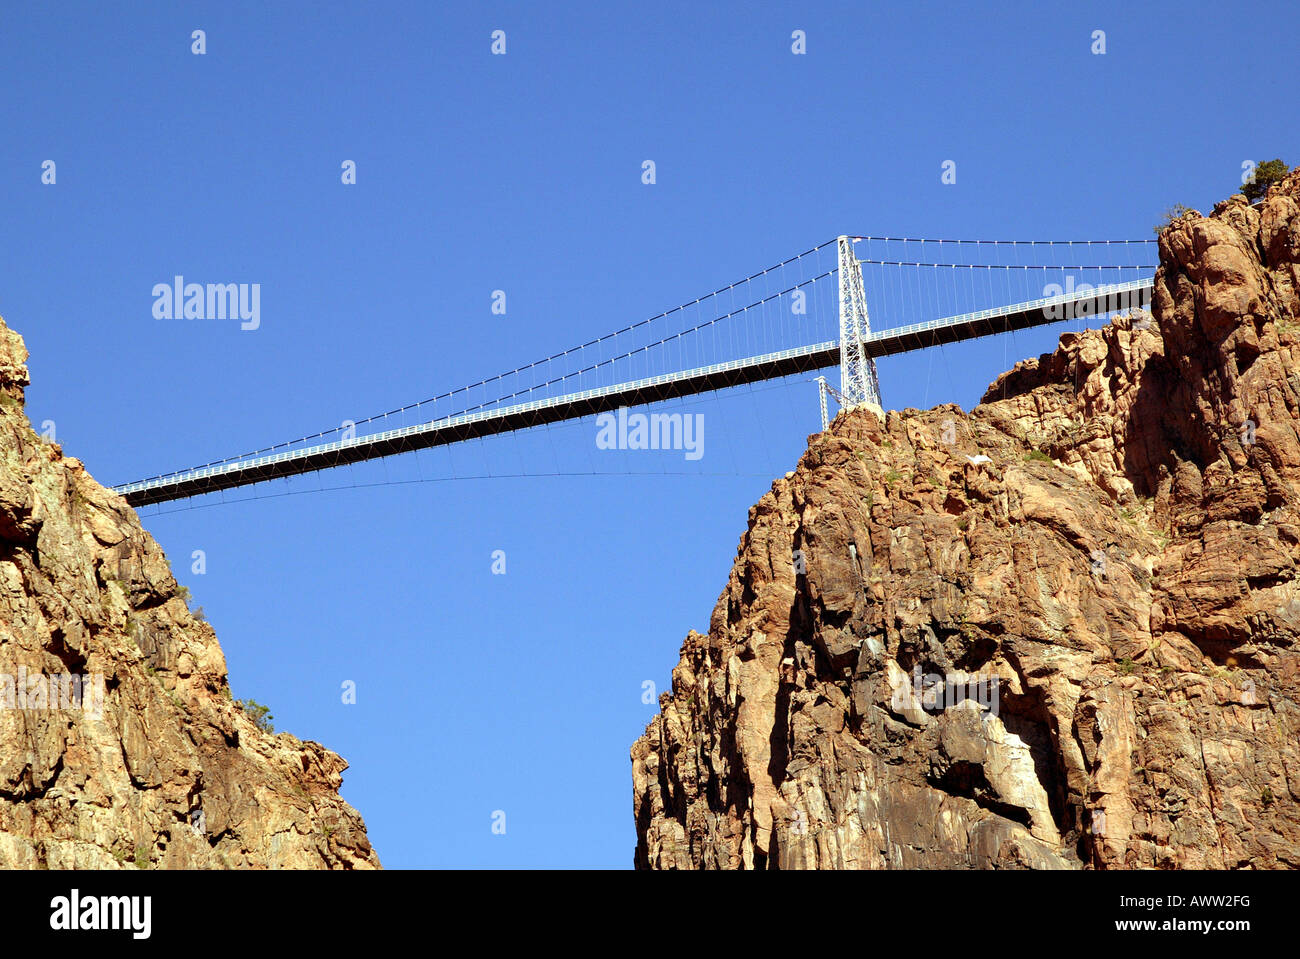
(1064, 299)
(464, 418)
(1110, 293)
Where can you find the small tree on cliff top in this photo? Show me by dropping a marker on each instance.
(1266, 173)
(259, 714)
(1171, 214)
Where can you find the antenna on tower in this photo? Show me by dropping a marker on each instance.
(823, 388)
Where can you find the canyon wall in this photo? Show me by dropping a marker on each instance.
(1057, 632)
(121, 745)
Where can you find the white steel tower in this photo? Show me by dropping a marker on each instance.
(858, 380)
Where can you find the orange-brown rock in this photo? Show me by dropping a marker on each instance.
(156, 767)
(1121, 574)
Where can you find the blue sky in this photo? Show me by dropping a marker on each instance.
(523, 692)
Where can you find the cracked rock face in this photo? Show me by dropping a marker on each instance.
(122, 747)
(1081, 653)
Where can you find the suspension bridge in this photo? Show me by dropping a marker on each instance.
(986, 289)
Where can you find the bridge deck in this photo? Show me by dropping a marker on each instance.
(467, 426)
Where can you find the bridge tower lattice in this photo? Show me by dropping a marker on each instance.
(858, 380)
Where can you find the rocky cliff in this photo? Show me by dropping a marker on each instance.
(122, 746)
(1059, 631)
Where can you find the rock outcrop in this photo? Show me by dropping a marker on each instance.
(122, 746)
(1057, 632)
